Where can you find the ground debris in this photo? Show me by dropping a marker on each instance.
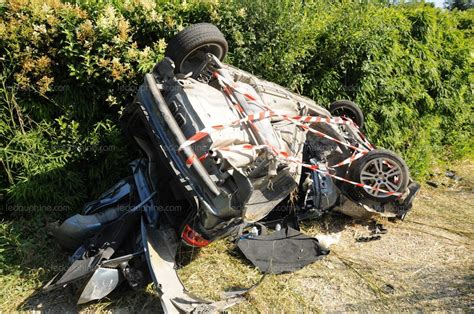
(432, 183)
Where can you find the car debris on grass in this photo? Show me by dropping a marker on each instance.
(226, 155)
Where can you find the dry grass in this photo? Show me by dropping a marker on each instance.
(424, 263)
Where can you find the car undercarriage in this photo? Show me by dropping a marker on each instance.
(225, 154)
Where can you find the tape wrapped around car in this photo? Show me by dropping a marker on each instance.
(222, 152)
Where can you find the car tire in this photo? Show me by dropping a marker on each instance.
(380, 168)
(189, 47)
(349, 109)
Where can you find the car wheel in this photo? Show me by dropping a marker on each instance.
(381, 169)
(190, 46)
(348, 109)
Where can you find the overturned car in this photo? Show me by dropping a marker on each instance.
(222, 150)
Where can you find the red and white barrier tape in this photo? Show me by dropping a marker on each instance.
(350, 160)
(268, 114)
(286, 157)
(321, 134)
(298, 120)
(211, 129)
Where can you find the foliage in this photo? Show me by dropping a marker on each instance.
(459, 4)
(68, 68)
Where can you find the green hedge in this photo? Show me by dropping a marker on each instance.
(68, 69)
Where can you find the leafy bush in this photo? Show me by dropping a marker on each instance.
(408, 67)
(67, 70)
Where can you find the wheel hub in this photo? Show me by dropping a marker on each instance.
(380, 173)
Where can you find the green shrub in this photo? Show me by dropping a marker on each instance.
(408, 67)
(67, 70)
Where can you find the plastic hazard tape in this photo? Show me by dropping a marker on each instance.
(286, 157)
(323, 135)
(264, 115)
(224, 82)
(350, 160)
(335, 120)
(301, 121)
(365, 186)
(233, 85)
(209, 130)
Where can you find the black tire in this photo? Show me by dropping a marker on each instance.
(347, 108)
(393, 175)
(188, 48)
